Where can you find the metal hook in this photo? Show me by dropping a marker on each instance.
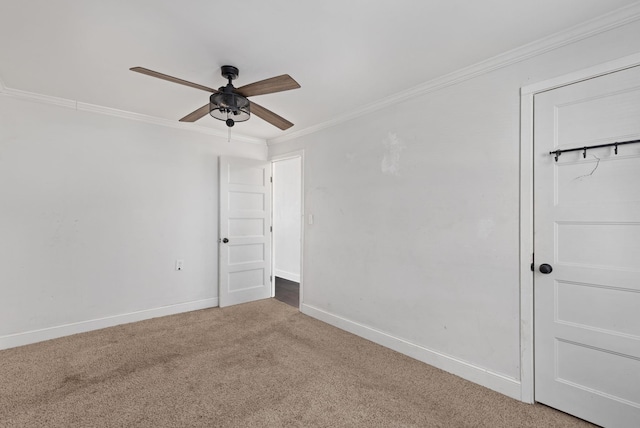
(558, 153)
(584, 154)
(616, 148)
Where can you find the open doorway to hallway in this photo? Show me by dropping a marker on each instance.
(287, 228)
(288, 291)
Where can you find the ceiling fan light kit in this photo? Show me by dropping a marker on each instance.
(230, 104)
(229, 107)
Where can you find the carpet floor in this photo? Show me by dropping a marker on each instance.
(261, 364)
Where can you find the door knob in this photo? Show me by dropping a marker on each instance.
(546, 268)
(225, 240)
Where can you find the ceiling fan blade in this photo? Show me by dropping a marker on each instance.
(171, 79)
(268, 86)
(198, 114)
(269, 116)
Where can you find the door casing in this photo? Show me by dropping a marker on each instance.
(527, 93)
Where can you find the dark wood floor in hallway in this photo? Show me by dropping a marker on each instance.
(288, 291)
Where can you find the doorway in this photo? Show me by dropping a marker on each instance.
(287, 220)
(580, 292)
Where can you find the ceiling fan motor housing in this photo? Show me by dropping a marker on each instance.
(229, 106)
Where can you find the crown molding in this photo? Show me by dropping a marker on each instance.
(571, 35)
(39, 98)
(80, 106)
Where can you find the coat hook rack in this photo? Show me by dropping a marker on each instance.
(584, 149)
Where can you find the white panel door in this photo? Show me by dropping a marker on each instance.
(587, 227)
(245, 236)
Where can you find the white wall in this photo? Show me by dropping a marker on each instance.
(286, 218)
(415, 241)
(94, 212)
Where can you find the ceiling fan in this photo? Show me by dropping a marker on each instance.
(230, 104)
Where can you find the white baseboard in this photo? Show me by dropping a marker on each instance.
(34, 336)
(286, 275)
(495, 381)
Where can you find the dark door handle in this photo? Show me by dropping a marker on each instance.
(546, 268)
(225, 240)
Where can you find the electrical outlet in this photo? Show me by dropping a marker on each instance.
(179, 264)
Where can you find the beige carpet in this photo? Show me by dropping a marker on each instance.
(261, 364)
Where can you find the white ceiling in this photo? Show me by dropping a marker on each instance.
(344, 53)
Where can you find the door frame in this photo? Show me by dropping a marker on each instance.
(274, 159)
(527, 93)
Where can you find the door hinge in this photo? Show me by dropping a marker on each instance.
(271, 179)
(271, 278)
(270, 228)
